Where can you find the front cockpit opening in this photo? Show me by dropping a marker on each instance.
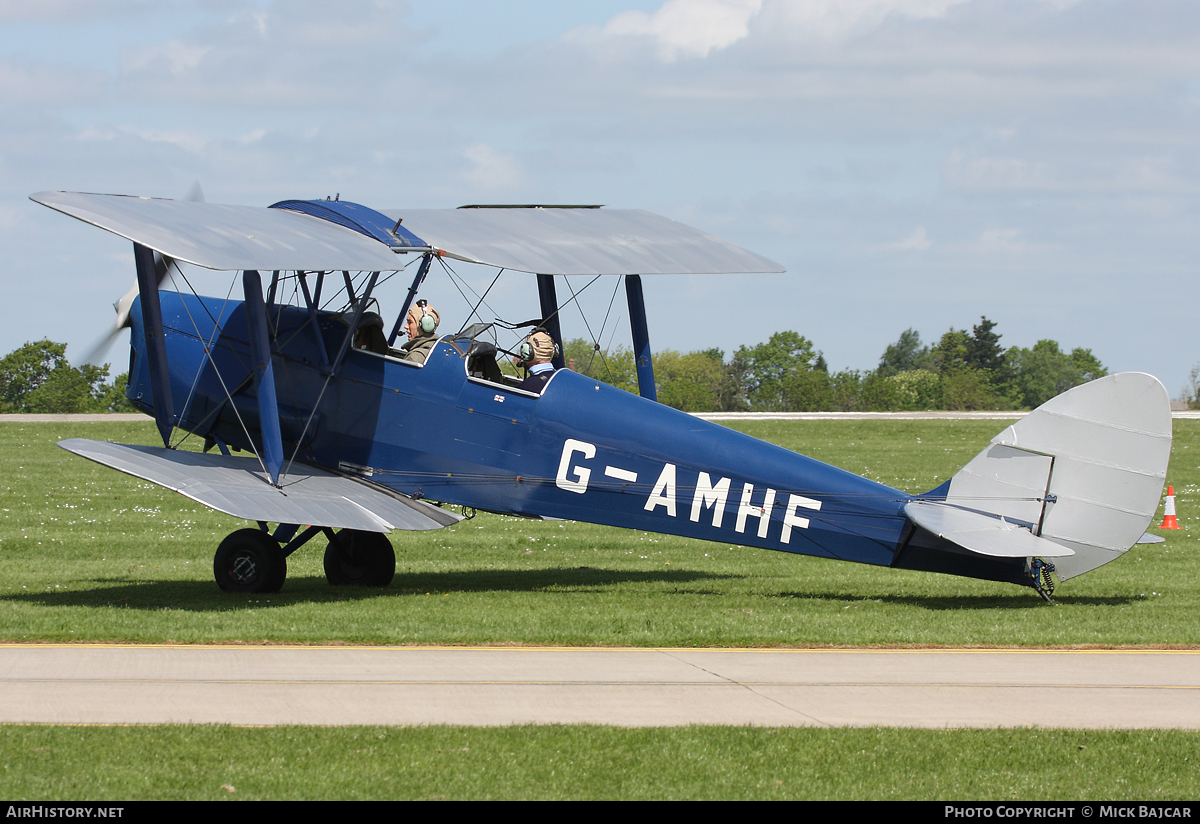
(369, 336)
(344, 314)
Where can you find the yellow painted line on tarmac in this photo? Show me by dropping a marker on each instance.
(525, 683)
(509, 648)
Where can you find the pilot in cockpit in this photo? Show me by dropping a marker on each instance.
(421, 327)
(536, 355)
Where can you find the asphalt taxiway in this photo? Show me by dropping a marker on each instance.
(271, 685)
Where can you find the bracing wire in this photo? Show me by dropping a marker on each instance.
(208, 356)
(596, 350)
(475, 308)
(455, 277)
(208, 343)
(324, 386)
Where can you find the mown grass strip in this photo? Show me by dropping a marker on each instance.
(573, 762)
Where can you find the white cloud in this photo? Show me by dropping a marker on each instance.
(491, 170)
(259, 19)
(189, 141)
(917, 241)
(253, 136)
(299, 54)
(176, 56)
(24, 83)
(11, 215)
(94, 133)
(837, 19)
(68, 11)
(992, 173)
(999, 241)
(688, 28)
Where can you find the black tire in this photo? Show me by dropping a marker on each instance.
(357, 558)
(250, 560)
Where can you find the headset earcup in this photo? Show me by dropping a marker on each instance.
(427, 324)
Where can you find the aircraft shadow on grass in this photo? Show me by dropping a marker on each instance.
(939, 603)
(198, 596)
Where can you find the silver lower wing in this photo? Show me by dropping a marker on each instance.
(238, 486)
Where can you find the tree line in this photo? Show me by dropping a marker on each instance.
(38, 378)
(962, 371)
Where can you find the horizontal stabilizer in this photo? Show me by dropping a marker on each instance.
(985, 534)
(238, 486)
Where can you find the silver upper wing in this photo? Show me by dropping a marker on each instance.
(548, 241)
(227, 237)
(553, 241)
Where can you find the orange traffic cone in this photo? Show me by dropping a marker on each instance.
(1169, 520)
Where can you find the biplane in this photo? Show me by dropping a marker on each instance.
(344, 439)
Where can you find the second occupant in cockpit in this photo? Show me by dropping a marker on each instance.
(421, 327)
(536, 353)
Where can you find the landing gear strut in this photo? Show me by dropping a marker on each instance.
(1039, 572)
(250, 560)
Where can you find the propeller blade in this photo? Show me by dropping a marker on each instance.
(95, 355)
(122, 306)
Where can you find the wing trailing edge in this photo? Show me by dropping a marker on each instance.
(238, 486)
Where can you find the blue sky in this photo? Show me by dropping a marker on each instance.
(913, 163)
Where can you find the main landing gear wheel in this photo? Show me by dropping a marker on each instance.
(250, 560)
(364, 559)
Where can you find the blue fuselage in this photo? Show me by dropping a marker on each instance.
(582, 451)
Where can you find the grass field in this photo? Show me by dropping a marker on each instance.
(570, 762)
(87, 554)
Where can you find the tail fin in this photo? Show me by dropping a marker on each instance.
(1084, 472)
